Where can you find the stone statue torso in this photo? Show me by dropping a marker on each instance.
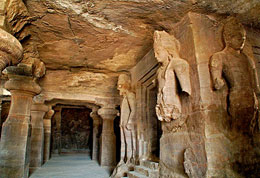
(168, 99)
(236, 71)
(125, 111)
(127, 114)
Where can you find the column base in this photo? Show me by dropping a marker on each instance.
(109, 169)
(32, 170)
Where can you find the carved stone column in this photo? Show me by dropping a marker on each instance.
(56, 131)
(108, 139)
(38, 111)
(16, 131)
(96, 130)
(47, 135)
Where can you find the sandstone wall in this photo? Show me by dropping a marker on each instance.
(79, 86)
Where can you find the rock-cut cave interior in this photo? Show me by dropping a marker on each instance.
(129, 88)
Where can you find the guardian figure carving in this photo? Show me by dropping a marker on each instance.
(173, 75)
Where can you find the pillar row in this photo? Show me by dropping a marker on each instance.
(38, 111)
(108, 138)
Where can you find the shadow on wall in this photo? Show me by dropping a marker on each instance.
(4, 113)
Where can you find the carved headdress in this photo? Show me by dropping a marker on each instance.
(125, 81)
(164, 40)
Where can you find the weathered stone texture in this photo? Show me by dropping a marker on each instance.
(14, 158)
(38, 111)
(47, 135)
(10, 50)
(86, 45)
(112, 36)
(108, 139)
(79, 81)
(96, 134)
(212, 123)
(84, 86)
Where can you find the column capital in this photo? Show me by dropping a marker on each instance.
(57, 108)
(107, 113)
(20, 78)
(39, 107)
(94, 115)
(49, 114)
(96, 118)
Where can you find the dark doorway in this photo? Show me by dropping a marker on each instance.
(154, 125)
(74, 133)
(76, 130)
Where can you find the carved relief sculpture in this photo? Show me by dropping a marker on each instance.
(173, 70)
(127, 127)
(232, 67)
(75, 130)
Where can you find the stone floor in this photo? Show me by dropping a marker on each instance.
(70, 166)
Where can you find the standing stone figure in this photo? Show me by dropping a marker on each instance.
(173, 71)
(127, 127)
(233, 67)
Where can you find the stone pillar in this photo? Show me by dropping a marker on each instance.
(38, 111)
(96, 129)
(108, 138)
(16, 131)
(47, 135)
(56, 131)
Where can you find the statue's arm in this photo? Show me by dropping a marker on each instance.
(216, 67)
(182, 71)
(254, 75)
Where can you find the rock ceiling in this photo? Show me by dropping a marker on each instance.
(113, 35)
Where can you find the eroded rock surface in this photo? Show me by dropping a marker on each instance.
(85, 45)
(113, 35)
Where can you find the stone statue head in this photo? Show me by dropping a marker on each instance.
(124, 84)
(234, 34)
(165, 45)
